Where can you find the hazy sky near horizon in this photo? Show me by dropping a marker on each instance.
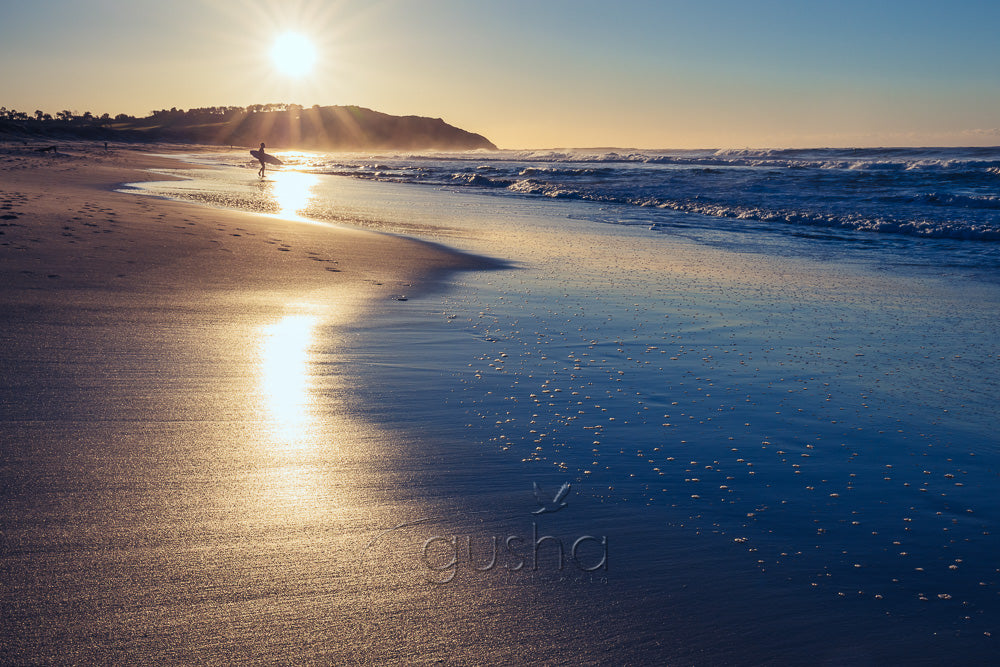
(538, 73)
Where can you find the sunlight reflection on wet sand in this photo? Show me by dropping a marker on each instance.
(292, 192)
(284, 377)
(294, 445)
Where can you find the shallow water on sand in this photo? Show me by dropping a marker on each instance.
(788, 453)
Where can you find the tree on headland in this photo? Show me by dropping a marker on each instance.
(13, 114)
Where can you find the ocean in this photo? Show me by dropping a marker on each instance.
(930, 192)
(905, 205)
(770, 378)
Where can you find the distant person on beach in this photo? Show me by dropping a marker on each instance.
(261, 158)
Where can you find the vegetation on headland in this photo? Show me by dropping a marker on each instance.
(277, 125)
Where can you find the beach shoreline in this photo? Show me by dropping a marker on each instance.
(66, 227)
(233, 452)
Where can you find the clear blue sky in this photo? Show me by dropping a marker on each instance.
(544, 73)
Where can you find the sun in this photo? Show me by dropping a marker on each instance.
(293, 54)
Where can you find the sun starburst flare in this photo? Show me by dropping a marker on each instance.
(293, 54)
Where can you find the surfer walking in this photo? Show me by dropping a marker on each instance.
(261, 157)
(264, 159)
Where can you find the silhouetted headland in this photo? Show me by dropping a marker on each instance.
(280, 125)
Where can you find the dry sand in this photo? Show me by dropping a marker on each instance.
(64, 230)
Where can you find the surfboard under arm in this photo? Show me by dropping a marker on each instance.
(270, 159)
